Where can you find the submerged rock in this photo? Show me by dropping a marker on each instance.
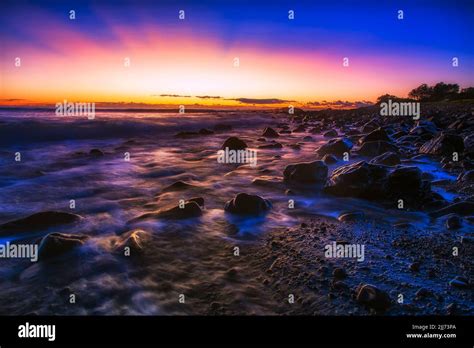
(306, 173)
(133, 240)
(56, 244)
(373, 297)
(443, 145)
(96, 152)
(335, 147)
(234, 143)
(190, 209)
(245, 204)
(270, 133)
(41, 220)
(177, 186)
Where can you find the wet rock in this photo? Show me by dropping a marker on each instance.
(466, 177)
(387, 159)
(359, 179)
(460, 208)
(96, 152)
(177, 186)
(308, 138)
(268, 181)
(405, 181)
(469, 144)
(306, 172)
(274, 145)
(453, 222)
(378, 134)
(56, 244)
(415, 267)
(330, 134)
(133, 240)
(198, 200)
(186, 134)
(459, 282)
(369, 127)
(41, 220)
(443, 145)
(234, 143)
(270, 133)
(373, 297)
(329, 159)
(423, 293)
(375, 148)
(424, 128)
(245, 204)
(351, 216)
(301, 128)
(339, 273)
(205, 131)
(335, 147)
(190, 209)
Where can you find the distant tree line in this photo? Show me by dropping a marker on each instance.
(439, 92)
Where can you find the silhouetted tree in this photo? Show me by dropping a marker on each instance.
(442, 91)
(422, 92)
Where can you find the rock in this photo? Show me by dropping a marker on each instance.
(132, 240)
(190, 209)
(270, 133)
(274, 145)
(453, 222)
(424, 128)
(369, 127)
(335, 147)
(443, 145)
(459, 282)
(469, 144)
(96, 152)
(198, 200)
(186, 134)
(351, 216)
(177, 186)
(329, 159)
(466, 177)
(234, 143)
(330, 134)
(359, 179)
(405, 181)
(41, 220)
(205, 131)
(387, 159)
(269, 181)
(299, 129)
(414, 267)
(306, 172)
(375, 148)
(245, 204)
(378, 134)
(373, 297)
(308, 138)
(56, 244)
(339, 273)
(460, 208)
(423, 293)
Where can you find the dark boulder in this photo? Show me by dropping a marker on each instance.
(443, 145)
(335, 147)
(234, 143)
(375, 148)
(405, 180)
(387, 159)
(41, 220)
(270, 133)
(56, 244)
(306, 172)
(373, 297)
(177, 186)
(329, 159)
(376, 135)
(359, 179)
(330, 134)
(245, 204)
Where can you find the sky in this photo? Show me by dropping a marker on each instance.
(230, 53)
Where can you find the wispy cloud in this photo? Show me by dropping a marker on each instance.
(340, 104)
(261, 101)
